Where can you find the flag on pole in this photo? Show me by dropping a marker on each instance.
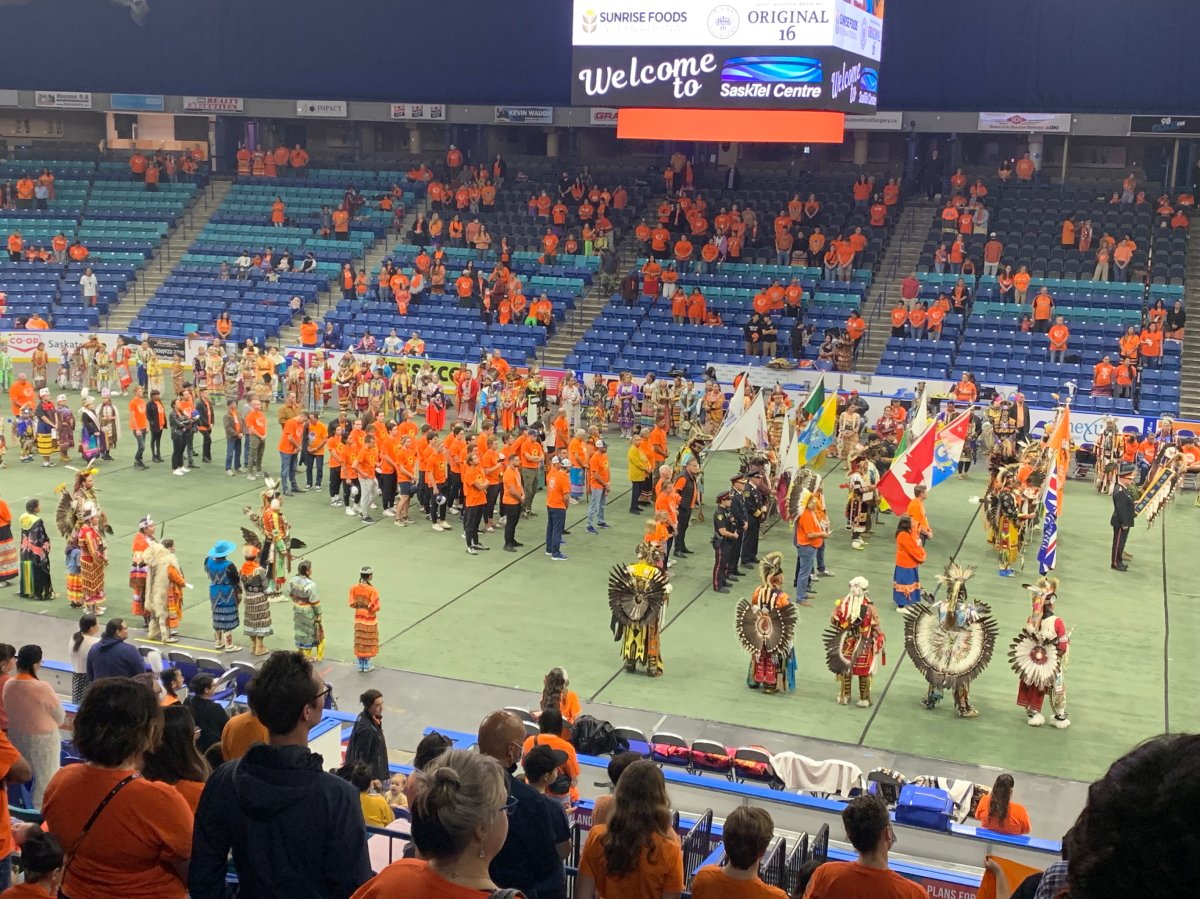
(909, 470)
(918, 420)
(816, 397)
(1048, 553)
(737, 405)
(788, 454)
(884, 506)
(948, 449)
(818, 434)
(750, 427)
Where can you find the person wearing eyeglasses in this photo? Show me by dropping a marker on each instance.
(294, 830)
(870, 832)
(460, 820)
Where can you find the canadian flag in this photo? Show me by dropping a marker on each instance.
(909, 470)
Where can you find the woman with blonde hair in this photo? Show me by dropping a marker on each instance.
(636, 853)
(460, 815)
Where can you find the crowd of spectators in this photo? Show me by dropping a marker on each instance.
(166, 796)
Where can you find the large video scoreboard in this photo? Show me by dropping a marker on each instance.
(727, 54)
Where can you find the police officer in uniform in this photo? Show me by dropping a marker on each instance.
(756, 510)
(1122, 516)
(724, 536)
(741, 516)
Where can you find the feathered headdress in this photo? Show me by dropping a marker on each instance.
(770, 568)
(954, 578)
(636, 599)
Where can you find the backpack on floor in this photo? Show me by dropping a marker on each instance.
(591, 736)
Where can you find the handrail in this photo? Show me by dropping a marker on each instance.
(773, 868)
(696, 844)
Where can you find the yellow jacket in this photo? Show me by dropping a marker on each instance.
(639, 465)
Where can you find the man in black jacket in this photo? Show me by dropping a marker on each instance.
(112, 656)
(204, 423)
(294, 830)
(1122, 516)
(210, 716)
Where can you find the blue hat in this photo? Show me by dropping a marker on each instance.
(221, 550)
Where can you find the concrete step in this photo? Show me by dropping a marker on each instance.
(159, 268)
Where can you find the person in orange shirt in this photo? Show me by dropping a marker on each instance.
(256, 427)
(918, 318)
(1043, 304)
(290, 443)
(906, 578)
(16, 247)
(1058, 340)
(341, 224)
(407, 467)
(278, 213)
(916, 511)
(139, 424)
(316, 441)
(474, 485)
(558, 493)
(436, 470)
(808, 538)
(1150, 344)
(1102, 377)
(659, 238)
(598, 481)
(1021, 285)
(512, 501)
(697, 307)
(856, 327)
(365, 460)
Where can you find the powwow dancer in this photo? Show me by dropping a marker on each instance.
(637, 596)
(854, 642)
(306, 612)
(163, 594)
(225, 594)
(950, 640)
(1038, 654)
(861, 502)
(364, 600)
(256, 618)
(93, 558)
(142, 541)
(766, 623)
(277, 541)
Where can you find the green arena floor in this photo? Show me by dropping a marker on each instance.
(504, 619)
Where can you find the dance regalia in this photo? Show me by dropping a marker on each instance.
(1107, 451)
(137, 572)
(766, 623)
(163, 592)
(122, 356)
(306, 616)
(1162, 482)
(35, 558)
(950, 640)
(364, 600)
(92, 563)
(862, 500)
(626, 402)
(714, 409)
(1038, 654)
(854, 643)
(598, 396)
(849, 426)
(637, 597)
(224, 592)
(345, 384)
(256, 606)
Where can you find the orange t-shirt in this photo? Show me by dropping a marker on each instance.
(239, 734)
(834, 880)
(1058, 337)
(472, 493)
(570, 767)
(558, 489)
(659, 871)
(413, 877)
(1017, 822)
(8, 755)
(256, 423)
(712, 883)
(807, 524)
(1042, 304)
(1021, 280)
(137, 415)
(129, 849)
(513, 490)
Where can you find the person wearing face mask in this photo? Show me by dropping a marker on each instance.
(538, 839)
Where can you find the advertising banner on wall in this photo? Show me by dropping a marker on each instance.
(419, 112)
(137, 102)
(214, 104)
(1165, 125)
(322, 109)
(881, 121)
(62, 99)
(9, 98)
(525, 115)
(1025, 122)
(604, 116)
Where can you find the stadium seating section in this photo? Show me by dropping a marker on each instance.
(989, 344)
(121, 224)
